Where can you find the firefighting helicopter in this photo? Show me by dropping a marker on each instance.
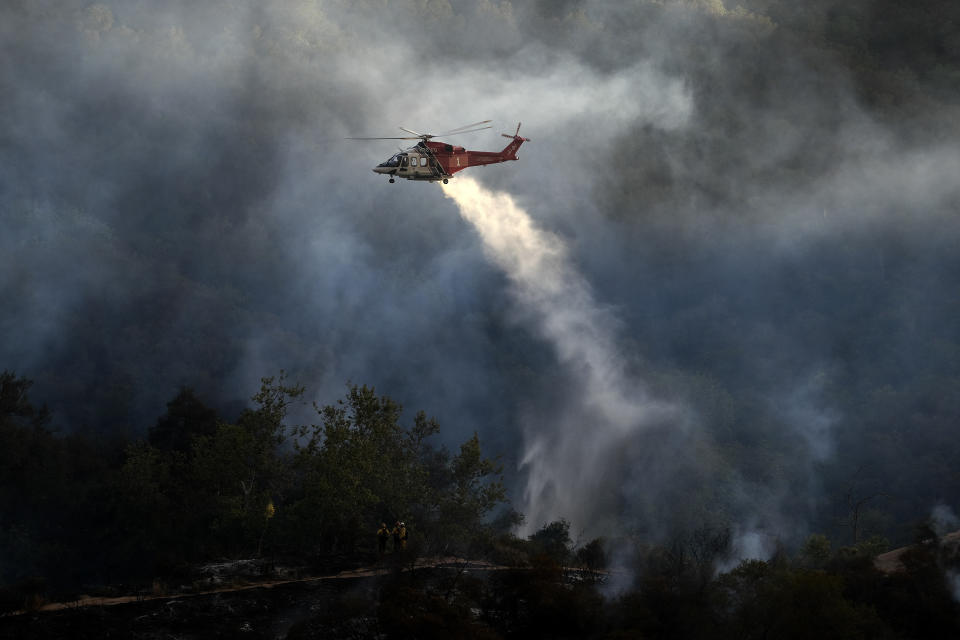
(433, 160)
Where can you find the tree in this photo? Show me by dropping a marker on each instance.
(855, 507)
(30, 479)
(816, 551)
(592, 555)
(470, 487)
(200, 486)
(15, 406)
(52, 488)
(237, 471)
(360, 467)
(764, 600)
(355, 469)
(146, 503)
(186, 418)
(553, 541)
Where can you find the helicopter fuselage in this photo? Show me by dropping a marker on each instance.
(419, 163)
(432, 161)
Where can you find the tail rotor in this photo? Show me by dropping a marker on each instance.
(515, 134)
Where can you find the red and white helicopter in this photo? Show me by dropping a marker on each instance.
(432, 161)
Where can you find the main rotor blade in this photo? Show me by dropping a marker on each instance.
(467, 126)
(427, 136)
(405, 138)
(419, 135)
(456, 133)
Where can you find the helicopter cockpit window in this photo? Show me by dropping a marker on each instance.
(392, 162)
(403, 161)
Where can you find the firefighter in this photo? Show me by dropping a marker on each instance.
(383, 534)
(403, 536)
(396, 537)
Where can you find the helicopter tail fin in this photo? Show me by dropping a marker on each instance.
(510, 151)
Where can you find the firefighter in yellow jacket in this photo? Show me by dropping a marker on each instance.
(396, 537)
(383, 534)
(399, 536)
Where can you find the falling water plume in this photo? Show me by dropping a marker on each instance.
(569, 458)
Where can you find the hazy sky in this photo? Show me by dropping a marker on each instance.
(178, 205)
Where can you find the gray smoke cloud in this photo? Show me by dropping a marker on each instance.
(754, 231)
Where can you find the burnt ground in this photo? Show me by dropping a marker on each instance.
(313, 608)
(241, 599)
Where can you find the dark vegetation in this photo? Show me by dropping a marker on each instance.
(199, 488)
(120, 517)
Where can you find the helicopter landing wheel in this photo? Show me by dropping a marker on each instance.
(444, 181)
(391, 180)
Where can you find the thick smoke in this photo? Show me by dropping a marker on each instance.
(751, 224)
(944, 519)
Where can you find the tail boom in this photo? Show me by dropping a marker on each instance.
(509, 152)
